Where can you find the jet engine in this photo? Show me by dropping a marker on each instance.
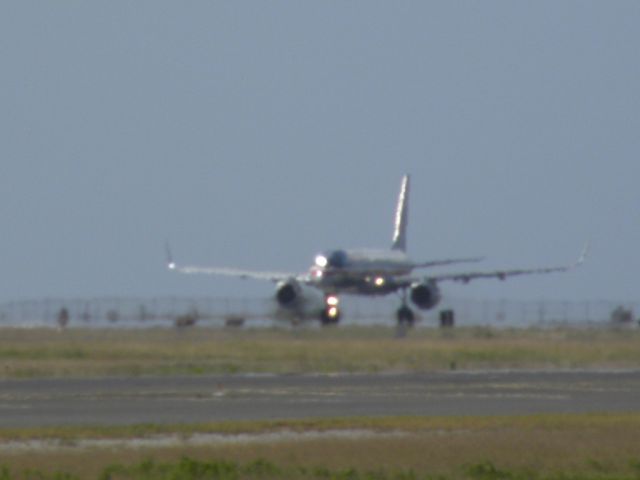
(288, 293)
(425, 295)
(298, 302)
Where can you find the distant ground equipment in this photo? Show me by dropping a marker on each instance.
(447, 318)
(235, 321)
(188, 319)
(622, 316)
(63, 317)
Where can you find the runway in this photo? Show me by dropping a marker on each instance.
(175, 400)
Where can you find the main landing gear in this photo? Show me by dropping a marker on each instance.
(404, 314)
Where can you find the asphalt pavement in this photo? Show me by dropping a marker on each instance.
(175, 400)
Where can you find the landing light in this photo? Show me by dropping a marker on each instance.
(379, 281)
(321, 261)
(333, 301)
(171, 265)
(332, 312)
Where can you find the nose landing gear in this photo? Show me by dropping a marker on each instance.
(331, 313)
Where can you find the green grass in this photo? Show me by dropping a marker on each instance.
(191, 469)
(83, 352)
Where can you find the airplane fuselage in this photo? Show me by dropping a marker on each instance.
(362, 271)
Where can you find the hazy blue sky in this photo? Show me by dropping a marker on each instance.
(256, 134)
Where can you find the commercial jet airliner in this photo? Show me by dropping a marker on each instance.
(365, 272)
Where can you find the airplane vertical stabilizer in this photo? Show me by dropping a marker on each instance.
(402, 213)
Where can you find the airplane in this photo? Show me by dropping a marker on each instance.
(372, 272)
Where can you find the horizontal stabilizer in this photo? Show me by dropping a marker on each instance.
(447, 261)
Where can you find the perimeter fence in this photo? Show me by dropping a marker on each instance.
(170, 311)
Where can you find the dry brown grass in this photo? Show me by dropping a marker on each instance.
(550, 444)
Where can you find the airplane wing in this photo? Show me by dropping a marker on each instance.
(231, 272)
(503, 274)
(447, 261)
(226, 271)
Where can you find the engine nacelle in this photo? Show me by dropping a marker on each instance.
(288, 293)
(425, 295)
(297, 302)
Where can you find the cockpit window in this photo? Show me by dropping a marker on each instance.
(337, 259)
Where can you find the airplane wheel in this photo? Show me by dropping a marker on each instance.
(405, 316)
(328, 319)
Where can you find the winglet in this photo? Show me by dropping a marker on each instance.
(583, 255)
(401, 220)
(171, 265)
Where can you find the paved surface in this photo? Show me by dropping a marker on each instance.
(120, 401)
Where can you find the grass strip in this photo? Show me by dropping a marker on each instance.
(87, 352)
(582, 446)
(411, 424)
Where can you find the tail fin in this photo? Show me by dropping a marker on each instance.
(402, 213)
